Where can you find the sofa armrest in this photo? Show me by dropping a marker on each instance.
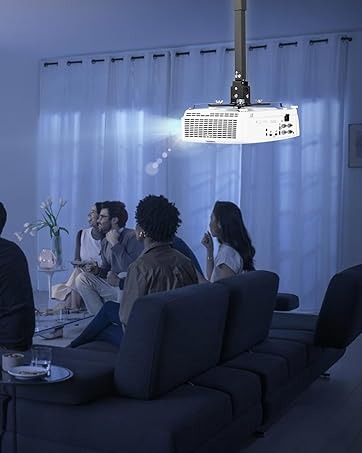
(286, 302)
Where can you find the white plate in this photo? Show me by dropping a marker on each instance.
(27, 372)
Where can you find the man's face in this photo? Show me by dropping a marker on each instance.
(104, 221)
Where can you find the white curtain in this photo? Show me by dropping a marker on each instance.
(109, 130)
(99, 133)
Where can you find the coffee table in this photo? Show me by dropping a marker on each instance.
(47, 326)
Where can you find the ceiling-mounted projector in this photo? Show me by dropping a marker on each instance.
(251, 124)
(240, 122)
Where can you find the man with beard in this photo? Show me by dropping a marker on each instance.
(119, 249)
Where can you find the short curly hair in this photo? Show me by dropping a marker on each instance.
(158, 217)
(3, 216)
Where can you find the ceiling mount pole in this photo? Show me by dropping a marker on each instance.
(240, 90)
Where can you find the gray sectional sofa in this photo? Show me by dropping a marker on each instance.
(200, 370)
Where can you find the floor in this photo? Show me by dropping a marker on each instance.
(325, 418)
(69, 332)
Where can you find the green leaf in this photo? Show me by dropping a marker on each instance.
(64, 229)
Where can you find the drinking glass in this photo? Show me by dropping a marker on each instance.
(42, 356)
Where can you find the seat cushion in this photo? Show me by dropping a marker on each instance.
(93, 378)
(304, 337)
(295, 353)
(271, 369)
(243, 387)
(180, 421)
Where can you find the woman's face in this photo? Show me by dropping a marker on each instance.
(214, 226)
(93, 216)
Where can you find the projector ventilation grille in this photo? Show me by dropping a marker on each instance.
(214, 125)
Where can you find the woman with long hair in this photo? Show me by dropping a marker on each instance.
(236, 252)
(87, 249)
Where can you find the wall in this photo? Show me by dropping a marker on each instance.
(34, 29)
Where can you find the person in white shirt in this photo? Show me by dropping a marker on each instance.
(87, 249)
(236, 252)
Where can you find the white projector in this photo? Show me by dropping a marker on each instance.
(233, 125)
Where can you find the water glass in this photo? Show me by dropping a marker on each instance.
(42, 356)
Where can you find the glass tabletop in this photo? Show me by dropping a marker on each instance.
(45, 323)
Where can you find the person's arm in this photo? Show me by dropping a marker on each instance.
(105, 266)
(135, 286)
(208, 243)
(77, 246)
(126, 252)
(224, 271)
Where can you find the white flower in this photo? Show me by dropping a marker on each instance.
(49, 220)
(62, 202)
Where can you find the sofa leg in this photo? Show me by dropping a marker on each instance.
(325, 375)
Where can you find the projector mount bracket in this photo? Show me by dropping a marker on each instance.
(240, 90)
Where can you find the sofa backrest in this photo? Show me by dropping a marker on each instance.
(340, 318)
(171, 337)
(251, 305)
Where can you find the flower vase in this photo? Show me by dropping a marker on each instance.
(57, 249)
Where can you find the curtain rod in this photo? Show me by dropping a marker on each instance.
(178, 54)
(285, 44)
(262, 46)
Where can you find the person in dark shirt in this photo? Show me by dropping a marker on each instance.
(17, 313)
(159, 268)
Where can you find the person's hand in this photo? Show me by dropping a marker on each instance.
(113, 279)
(208, 243)
(112, 237)
(91, 267)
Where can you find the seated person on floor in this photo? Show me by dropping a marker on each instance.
(160, 268)
(87, 250)
(236, 251)
(17, 313)
(119, 249)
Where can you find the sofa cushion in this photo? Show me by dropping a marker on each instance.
(296, 321)
(181, 421)
(243, 387)
(93, 378)
(171, 337)
(340, 317)
(252, 300)
(295, 353)
(304, 337)
(272, 370)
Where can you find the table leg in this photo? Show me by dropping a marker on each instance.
(50, 280)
